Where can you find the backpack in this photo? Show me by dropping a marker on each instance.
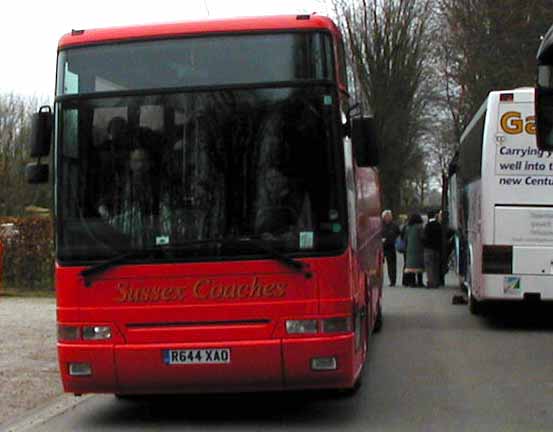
(400, 244)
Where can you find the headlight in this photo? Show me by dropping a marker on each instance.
(96, 332)
(301, 326)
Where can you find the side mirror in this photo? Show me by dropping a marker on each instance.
(545, 76)
(453, 165)
(363, 138)
(41, 138)
(544, 93)
(544, 118)
(545, 50)
(41, 132)
(36, 173)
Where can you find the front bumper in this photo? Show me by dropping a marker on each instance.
(278, 364)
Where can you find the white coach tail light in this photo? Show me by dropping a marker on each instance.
(301, 326)
(96, 332)
(80, 369)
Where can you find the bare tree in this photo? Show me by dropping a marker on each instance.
(487, 45)
(387, 43)
(15, 129)
(479, 46)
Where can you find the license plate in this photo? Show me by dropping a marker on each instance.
(197, 356)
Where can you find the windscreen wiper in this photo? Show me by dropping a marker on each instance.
(100, 268)
(264, 246)
(260, 245)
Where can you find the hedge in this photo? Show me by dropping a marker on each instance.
(28, 262)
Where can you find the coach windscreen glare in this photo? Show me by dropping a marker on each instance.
(180, 170)
(194, 62)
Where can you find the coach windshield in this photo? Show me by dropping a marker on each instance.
(196, 61)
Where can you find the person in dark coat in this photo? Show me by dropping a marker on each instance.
(432, 247)
(407, 278)
(390, 233)
(414, 251)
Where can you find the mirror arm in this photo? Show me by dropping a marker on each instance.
(347, 125)
(352, 108)
(346, 128)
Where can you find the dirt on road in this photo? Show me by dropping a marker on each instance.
(28, 360)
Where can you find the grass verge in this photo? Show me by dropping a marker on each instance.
(18, 292)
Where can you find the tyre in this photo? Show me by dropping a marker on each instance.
(475, 307)
(352, 391)
(378, 321)
(127, 397)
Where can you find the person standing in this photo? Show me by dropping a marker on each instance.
(414, 251)
(432, 246)
(1, 265)
(400, 247)
(390, 232)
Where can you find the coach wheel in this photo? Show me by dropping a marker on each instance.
(128, 397)
(352, 391)
(378, 321)
(475, 306)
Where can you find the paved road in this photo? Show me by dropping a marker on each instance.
(434, 367)
(28, 362)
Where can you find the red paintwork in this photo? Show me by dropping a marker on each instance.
(263, 355)
(369, 226)
(192, 28)
(234, 25)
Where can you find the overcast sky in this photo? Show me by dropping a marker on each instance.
(30, 30)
